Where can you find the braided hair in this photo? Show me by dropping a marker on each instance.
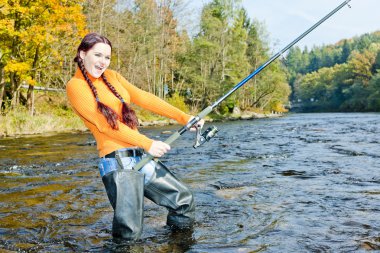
(128, 114)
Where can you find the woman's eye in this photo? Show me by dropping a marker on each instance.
(98, 55)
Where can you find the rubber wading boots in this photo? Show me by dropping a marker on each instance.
(125, 190)
(166, 190)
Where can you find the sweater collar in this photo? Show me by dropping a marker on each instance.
(79, 74)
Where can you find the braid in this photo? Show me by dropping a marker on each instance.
(84, 72)
(128, 114)
(110, 114)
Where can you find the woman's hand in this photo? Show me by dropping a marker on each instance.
(199, 124)
(158, 148)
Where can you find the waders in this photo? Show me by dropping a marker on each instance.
(126, 190)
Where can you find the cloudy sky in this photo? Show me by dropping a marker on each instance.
(285, 20)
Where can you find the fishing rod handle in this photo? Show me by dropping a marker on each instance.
(146, 159)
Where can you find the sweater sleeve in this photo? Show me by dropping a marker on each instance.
(153, 103)
(84, 104)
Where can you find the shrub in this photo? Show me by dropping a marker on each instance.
(179, 102)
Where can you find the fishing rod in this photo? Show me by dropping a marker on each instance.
(211, 131)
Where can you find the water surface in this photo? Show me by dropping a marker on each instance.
(301, 183)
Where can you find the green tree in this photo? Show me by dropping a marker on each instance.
(352, 73)
(257, 54)
(346, 51)
(217, 58)
(373, 101)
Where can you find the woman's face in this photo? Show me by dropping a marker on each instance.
(97, 59)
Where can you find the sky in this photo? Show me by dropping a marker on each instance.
(285, 20)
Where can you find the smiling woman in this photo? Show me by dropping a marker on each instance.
(97, 59)
(93, 58)
(101, 98)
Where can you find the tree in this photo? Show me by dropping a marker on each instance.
(376, 65)
(346, 51)
(218, 57)
(361, 64)
(257, 50)
(347, 80)
(373, 101)
(33, 32)
(100, 14)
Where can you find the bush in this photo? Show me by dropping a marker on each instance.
(278, 107)
(178, 101)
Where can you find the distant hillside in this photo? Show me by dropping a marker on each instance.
(340, 77)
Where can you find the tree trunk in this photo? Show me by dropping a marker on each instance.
(29, 96)
(30, 99)
(13, 90)
(101, 17)
(2, 88)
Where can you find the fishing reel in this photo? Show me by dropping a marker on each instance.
(201, 138)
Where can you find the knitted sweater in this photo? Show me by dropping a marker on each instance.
(108, 140)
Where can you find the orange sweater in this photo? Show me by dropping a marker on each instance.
(108, 140)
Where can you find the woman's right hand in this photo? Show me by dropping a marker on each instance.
(158, 148)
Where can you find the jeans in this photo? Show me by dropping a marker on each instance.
(107, 165)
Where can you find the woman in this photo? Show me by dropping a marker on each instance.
(101, 98)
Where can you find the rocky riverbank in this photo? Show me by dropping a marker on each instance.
(246, 115)
(20, 123)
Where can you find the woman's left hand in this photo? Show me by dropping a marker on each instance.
(199, 124)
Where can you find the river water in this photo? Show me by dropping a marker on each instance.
(300, 183)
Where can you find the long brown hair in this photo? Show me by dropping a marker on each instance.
(128, 114)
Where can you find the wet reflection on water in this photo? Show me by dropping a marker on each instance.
(302, 183)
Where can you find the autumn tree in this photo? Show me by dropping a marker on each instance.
(37, 37)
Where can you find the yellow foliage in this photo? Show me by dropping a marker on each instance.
(30, 81)
(278, 107)
(5, 25)
(18, 67)
(45, 31)
(178, 101)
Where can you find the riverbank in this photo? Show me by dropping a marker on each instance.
(246, 115)
(21, 123)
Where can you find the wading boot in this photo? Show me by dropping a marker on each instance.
(125, 191)
(166, 190)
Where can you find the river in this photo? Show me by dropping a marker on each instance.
(300, 183)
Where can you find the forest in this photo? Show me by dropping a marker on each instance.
(344, 77)
(156, 47)
(149, 49)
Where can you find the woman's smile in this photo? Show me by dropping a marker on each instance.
(97, 59)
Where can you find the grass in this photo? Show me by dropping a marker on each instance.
(19, 122)
(53, 114)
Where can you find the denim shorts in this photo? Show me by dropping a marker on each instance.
(107, 165)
